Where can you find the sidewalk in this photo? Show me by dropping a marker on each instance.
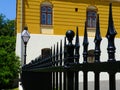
(20, 86)
(104, 85)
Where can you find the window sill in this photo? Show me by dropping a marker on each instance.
(91, 28)
(47, 26)
(46, 29)
(91, 32)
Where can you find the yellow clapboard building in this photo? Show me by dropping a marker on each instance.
(56, 16)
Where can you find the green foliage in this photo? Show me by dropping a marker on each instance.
(9, 62)
(6, 26)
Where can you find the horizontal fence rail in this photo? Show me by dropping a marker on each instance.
(59, 69)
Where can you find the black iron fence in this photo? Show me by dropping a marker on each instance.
(60, 69)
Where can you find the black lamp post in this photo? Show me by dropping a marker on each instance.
(25, 37)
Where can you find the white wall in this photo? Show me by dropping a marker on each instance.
(39, 41)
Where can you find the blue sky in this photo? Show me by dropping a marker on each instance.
(8, 8)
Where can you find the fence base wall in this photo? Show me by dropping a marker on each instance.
(36, 80)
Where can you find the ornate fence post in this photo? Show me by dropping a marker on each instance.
(85, 45)
(85, 55)
(77, 46)
(65, 52)
(111, 48)
(60, 73)
(77, 55)
(97, 52)
(56, 59)
(54, 73)
(70, 59)
(111, 36)
(97, 41)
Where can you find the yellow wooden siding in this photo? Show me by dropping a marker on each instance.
(18, 16)
(65, 17)
(31, 16)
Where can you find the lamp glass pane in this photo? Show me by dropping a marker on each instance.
(25, 36)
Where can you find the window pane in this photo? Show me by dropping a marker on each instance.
(88, 22)
(43, 9)
(91, 18)
(49, 10)
(93, 14)
(49, 19)
(43, 19)
(89, 14)
(94, 22)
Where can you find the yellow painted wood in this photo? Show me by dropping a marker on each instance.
(64, 15)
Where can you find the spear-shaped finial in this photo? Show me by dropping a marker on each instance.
(98, 35)
(77, 46)
(85, 44)
(110, 36)
(97, 41)
(111, 29)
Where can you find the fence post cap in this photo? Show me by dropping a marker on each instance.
(70, 34)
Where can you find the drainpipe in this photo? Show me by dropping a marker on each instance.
(21, 27)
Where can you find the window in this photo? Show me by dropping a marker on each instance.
(91, 16)
(91, 56)
(46, 15)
